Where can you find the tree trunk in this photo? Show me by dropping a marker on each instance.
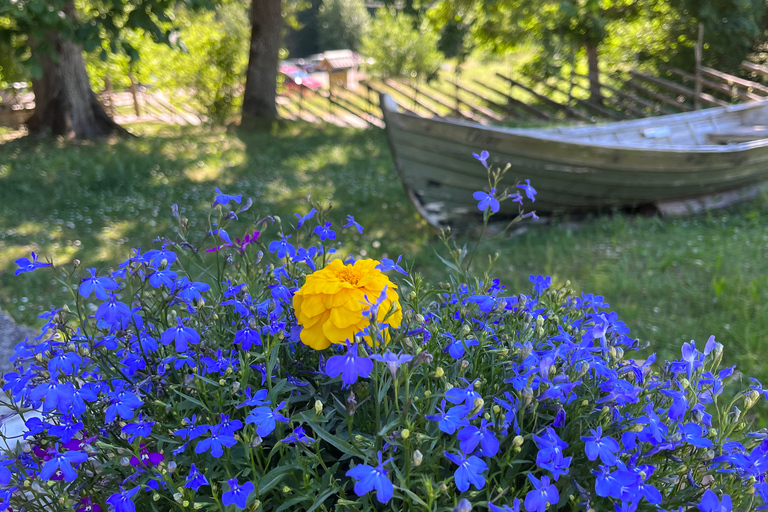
(263, 59)
(595, 94)
(64, 102)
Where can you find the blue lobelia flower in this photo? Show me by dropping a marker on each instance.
(224, 199)
(229, 427)
(113, 314)
(693, 434)
(181, 335)
(599, 446)
(505, 508)
(456, 348)
(449, 421)
(298, 436)
(123, 403)
(266, 419)
(486, 200)
(352, 224)
(372, 478)
(540, 283)
(468, 471)
(464, 505)
(392, 360)
(470, 436)
(163, 278)
(63, 463)
(282, 247)
(97, 285)
(305, 218)
(710, 503)
(611, 482)
(542, 494)
(387, 264)
(27, 265)
(550, 454)
(349, 366)
(258, 399)
(530, 192)
(482, 157)
(56, 395)
(325, 232)
(66, 429)
(237, 494)
(467, 395)
(195, 479)
(139, 429)
(65, 362)
(215, 444)
(123, 501)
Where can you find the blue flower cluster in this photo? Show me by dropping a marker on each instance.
(178, 381)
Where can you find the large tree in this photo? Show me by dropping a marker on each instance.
(51, 36)
(263, 59)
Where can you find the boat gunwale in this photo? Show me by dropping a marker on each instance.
(556, 134)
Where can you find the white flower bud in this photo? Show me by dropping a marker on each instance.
(418, 458)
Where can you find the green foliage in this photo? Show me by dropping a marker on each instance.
(342, 24)
(100, 25)
(401, 49)
(208, 73)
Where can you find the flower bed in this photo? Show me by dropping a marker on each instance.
(266, 373)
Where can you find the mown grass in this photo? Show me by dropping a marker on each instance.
(669, 280)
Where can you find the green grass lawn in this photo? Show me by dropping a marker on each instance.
(669, 280)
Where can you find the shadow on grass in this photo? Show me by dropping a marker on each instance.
(96, 201)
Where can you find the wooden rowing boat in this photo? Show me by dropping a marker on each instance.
(676, 162)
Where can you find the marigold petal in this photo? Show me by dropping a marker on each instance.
(343, 318)
(337, 334)
(312, 305)
(314, 337)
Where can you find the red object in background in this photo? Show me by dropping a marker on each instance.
(296, 77)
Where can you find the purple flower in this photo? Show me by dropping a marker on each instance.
(530, 192)
(392, 360)
(237, 494)
(27, 265)
(349, 366)
(87, 505)
(542, 494)
(482, 157)
(468, 471)
(371, 478)
(486, 200)
(224, 199)
(351, 223)
(147, 458)
(710, 503)
(123, 501)
(603, 447)
(325, 232)
(449, 421)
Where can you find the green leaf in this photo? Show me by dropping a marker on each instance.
(271, 479)
(320, 499)
(290, 503)
(345, 447)
(190, 399)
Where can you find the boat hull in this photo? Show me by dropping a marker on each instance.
(434, 160)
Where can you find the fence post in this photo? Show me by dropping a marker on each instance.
(135, 94)
(698, 48)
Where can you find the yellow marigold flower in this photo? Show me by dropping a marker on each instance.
(331, 303)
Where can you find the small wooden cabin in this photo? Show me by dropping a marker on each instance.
(341, 66)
